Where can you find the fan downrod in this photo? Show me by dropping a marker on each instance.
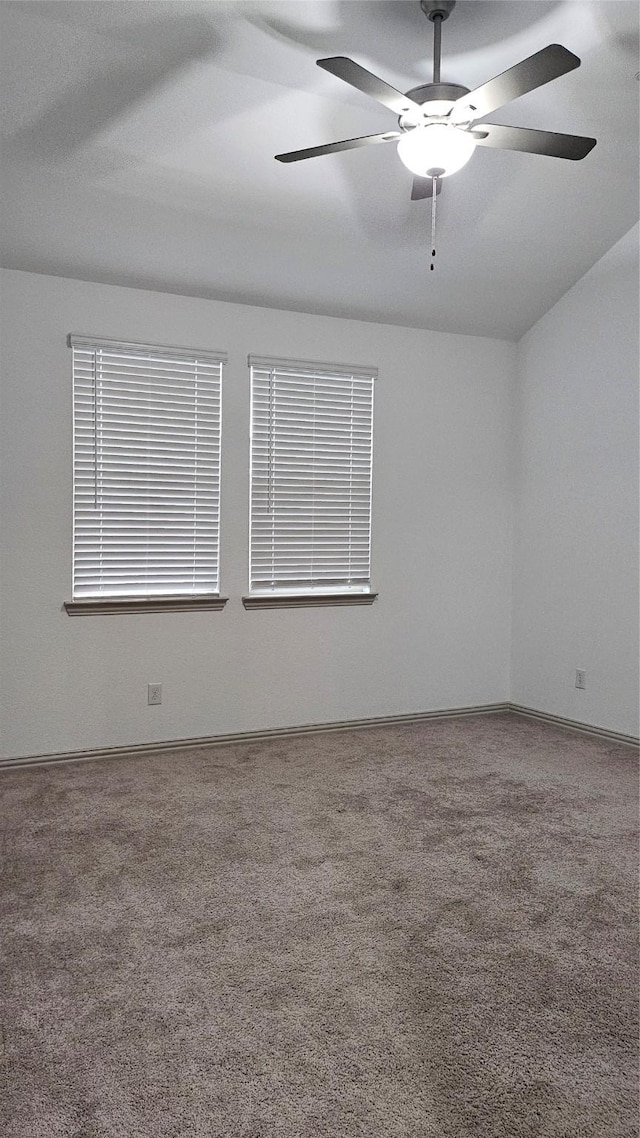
(437, 9)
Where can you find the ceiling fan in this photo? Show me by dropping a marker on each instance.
(437, 134)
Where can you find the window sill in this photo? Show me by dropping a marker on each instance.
(108, 606)
(307, 600)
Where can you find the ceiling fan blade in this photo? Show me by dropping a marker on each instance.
(571, 146)
(334, 147)
(531, 73)
(423, 188)
(365, 81)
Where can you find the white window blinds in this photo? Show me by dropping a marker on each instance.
(146, 470)
(311, 452)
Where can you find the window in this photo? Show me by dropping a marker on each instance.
(146, 475)
(311, 450)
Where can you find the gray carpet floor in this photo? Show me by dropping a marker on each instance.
(421, 931)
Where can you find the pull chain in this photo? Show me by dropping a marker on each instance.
(434, 174)
(434, 187)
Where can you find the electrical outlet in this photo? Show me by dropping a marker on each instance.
(154, 693)
(581, 678)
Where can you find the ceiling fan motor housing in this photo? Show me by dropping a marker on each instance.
(428, 93)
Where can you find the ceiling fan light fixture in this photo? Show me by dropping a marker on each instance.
(435, 147)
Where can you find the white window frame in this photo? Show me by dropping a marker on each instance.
(108, 592)
(270, 590)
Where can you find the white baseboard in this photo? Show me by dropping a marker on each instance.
(310, 728)
(248, 736)
(575, 725)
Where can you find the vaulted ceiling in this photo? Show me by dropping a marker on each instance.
(138, 143)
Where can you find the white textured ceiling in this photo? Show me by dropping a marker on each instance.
(138, 143)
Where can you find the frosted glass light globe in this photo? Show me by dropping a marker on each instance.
(435, 146)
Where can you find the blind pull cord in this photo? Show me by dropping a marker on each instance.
(95, 432)
(272, 438)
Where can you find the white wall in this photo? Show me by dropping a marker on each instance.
(575, 596)
(438, 636)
